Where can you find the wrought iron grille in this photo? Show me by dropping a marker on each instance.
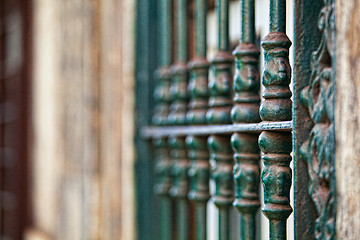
(219, 129)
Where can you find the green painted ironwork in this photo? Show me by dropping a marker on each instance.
(220, 104)
(179, 81)
(162, 88)
(147, 204)
(318, 151)
(160, 117)
(177, 116)
(180, 186)
(306, 34)
(199, 67)
(221, 172)
(276, 146)
(199, 173)
(163, 184)
(246, 110)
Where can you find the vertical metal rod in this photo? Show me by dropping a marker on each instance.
(247, 18)
(199, 172)
(220, 104)
(199, 180)
(278, 229)
(163, 184)
(160, 117)
(179, 189)
(278, 16)
(222, 8)
(177, 116)
(164, 32)
(166, 227)
(201, 32)
(246, 110)
(179, 70)
(183, 219)
(224, 222)
(221, 173)
(277, 106)
(182, 30)
(201, 221)
(248, 226)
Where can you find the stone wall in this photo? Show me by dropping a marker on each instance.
(83, 156)
(347, 118)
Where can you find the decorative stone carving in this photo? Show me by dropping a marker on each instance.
(319, 150)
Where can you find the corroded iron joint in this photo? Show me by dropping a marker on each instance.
(178, 94)
(198, 90)
(221, 170)
(220, 86)
(199, 172)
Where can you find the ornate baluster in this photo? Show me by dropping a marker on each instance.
(179, 189)
(177, 116)
(197, 145)
(246, 110)
(221, 160)
(277, 106)
(160, 117)
(220, 104)
(199, 180)
(163, 184)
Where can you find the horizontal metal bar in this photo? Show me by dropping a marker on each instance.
(164, 131)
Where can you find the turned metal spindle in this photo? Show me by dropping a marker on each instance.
(276, 146)
(221, 172)
(199, 180)
(177, 116)
(197, 145)
(220, 103)
(180, 186)
(160, 117)
(163, 183)
(246, 110)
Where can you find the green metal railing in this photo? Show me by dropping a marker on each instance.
(213, 129)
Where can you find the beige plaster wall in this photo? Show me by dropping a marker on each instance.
(347, 118)
(83, 183)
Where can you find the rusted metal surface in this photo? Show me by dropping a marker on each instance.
(220, 104)
(199, 171)
(221, 160)
(276, 146)
(177, 116)
(199, 174)
(318, 151)
(306, 34)
(246, 110)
